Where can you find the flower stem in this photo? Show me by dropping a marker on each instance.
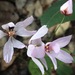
(53, 33)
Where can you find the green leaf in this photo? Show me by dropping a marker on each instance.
(52, 15)
(64, 69)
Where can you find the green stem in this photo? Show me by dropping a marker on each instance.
(57, 27)
(59, 24)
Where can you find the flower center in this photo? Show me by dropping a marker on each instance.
(11, 31)
(48, 48)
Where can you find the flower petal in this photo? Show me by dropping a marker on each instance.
(6, 26)
(26, 22)
(51, 55)
(2, 34)
(17, 44)
(8, 51)
(63, 41)
(44, 62)
(36, 51)
(24, 33)
(64, 57)
(37, 62)
(39, 51)
(30, 50)
(40, 33)
(55, 47)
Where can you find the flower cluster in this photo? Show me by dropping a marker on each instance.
(37, 49)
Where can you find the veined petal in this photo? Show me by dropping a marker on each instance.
(2, 34)
(63, 41)
(52, 59)
(17, 44)
(40, 66)
(44, 62)
(8, 51)
(30, 50)
(6, 26)
(26, 22)
(24, 33)
(40, 33)
(55, 47)
(39, 51)
(64, 57)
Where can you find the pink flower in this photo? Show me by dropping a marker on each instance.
(12, 30)
(53, 50)
(66, 8)
(36, 48)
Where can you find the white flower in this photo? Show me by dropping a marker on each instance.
(67, 8)
(11, 30)
(36, 48)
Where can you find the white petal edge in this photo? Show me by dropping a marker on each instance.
(40, 66)
(40, 33)
(25, 23)
(8, 51)
(30, 50)
(63, 41)
(17, 44)
(44, 62)
(53, 60)
(2, 34)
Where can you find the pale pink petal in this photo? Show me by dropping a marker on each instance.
(6, 26)
(24, 33)
(30, 50)
(17, 44)
(66, 8)
(2, 34)
(63, 41)
(8, 51)
(55, 47)
(64, 57)
(51, 55)
(40, 33)
(39, 51)
(70, 9)
(44, 62)
(26, 22)
(40, 66)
